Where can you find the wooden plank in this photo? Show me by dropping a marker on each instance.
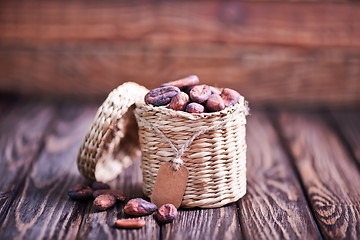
(42, 209)
(272, 52)
(217, 223)
(97, 224)
(182, 22)
(349, 129)
(274, 206)
(21, 138)
(265, 75)
(330, 178)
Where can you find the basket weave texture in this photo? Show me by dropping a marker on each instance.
(216, 159)
(111, 142)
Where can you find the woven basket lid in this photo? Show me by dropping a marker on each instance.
(111, 142)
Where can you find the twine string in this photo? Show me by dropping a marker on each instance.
(177, 161)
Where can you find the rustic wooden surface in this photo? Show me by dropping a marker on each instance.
(303, 179)
(272, 51)
(275, 206)
(330, 176)
(19, 147)
(39, 211)
(348, 126)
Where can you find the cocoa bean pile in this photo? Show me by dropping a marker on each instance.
(104, 198)
(187, 95)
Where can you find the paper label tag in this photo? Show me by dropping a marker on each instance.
(169, 185)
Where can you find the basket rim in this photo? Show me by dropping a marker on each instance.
(241, 106)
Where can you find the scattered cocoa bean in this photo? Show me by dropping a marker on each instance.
(120, 196)
(183, 83)
(161, 96)
(139, 207)
(99, 185)
(214, 103)
(104, 201)
(100, 192)
(179, 101)
(166, 213)
(230, 97)
(80, 192)
(130, 223)
(200, 93)
(195, 108)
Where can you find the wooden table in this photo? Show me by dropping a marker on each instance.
(303, 179)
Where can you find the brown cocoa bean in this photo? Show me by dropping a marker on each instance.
(215, 90)
(179, 101)
(166, 213)
(130, 223)
(188, 89)
(184, 82)
(195, 108)
(80, 192)
(99, 185)
(230, 97)
(139, 207)
(100, 192)
(200, 93)
(120, 196)
(215, 103)
(104, 201)
(161, 96)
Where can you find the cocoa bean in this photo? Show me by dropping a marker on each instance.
(104, 201)
(120, 196)
(80, 192)
(139, 207)
(188, 89)
(166, 213)
(215, 90)
(214, 103)
(184, 82)
(195, 108)
(179, 101)
(161, 96)
(200, 93)
(230, 97)
(99, 185)
(130, 223)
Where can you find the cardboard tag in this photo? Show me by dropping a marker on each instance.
(169, 185)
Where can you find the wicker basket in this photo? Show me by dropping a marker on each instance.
(212, 146)
(215, 159)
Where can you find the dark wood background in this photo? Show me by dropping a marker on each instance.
(274, 52)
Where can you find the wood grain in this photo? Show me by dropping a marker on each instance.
(181, 22)
(217, 223)
(266, 75)
(330, 178)
(349, 129)
(97, 224)
(274, 206)
(39, 144)
(272, 52)
(42, 209)
(21, 138)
